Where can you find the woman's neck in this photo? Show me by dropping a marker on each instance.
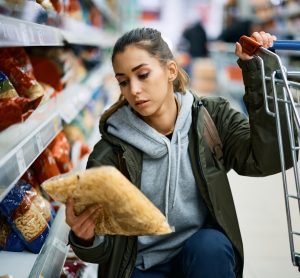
(164, 123)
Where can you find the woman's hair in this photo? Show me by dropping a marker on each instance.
(150, 40)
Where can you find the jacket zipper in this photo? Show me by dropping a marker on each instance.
(128, 263)
(199, 104)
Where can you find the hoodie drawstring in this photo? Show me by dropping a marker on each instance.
(167, 142)
(167, 192)
(178, 166)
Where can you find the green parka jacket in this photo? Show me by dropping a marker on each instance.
(249, 147)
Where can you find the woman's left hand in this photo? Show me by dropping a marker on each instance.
(263, 38)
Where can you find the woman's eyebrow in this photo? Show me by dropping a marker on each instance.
(133, 69)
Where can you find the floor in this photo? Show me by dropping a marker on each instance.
(262, 216)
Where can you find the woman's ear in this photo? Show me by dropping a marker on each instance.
(172, 70)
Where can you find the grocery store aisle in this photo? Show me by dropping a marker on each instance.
(261, 212)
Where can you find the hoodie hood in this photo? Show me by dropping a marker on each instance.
(127, 126)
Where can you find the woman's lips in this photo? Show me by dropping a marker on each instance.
(141, 103)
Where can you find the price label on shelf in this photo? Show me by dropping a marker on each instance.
(39, 142)
(61, 246)
(56, 124)
(21, 161)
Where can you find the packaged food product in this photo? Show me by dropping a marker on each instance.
(15, 110)
(15, 63)
(24, 217)
(58, 5)
(60, 148)
(9, 240)
(45, 166)
(46, 4)
(77, 140)
(125, 209)
(29, 177)
(7, 90)
(42, 66)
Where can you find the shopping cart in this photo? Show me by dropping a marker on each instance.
(285, 94)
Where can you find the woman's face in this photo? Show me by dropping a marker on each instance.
(146, 84)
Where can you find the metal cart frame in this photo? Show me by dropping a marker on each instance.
(284, 86)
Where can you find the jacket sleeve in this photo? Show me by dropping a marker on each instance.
(250, 146)
(101, 249)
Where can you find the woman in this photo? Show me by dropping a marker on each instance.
(154, 135)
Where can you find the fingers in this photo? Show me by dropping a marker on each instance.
(82, 225)
(87, 231)
(239, 52)
(86, 215)
(70, 216)
(263, 38)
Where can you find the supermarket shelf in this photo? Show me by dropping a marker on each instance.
(50, 260)
(52, 256)
(76, 32)
(76, 96)
(18, 160)
(18, 32)
(22, 143)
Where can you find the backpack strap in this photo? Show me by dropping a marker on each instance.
(212, 137)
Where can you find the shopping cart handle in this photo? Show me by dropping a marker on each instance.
(286, 45)
(249, 45)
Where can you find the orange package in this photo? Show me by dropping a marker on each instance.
(60, 148)
(45, 166)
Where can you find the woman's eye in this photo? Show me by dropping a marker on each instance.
(143, 76)
(122, 83)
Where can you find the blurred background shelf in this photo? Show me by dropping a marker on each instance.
(18, 32)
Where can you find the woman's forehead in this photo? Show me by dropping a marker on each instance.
(132, 56)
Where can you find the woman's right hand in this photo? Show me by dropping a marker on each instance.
(82, 225)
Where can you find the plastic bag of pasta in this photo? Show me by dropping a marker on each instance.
(126, 210)
(26, 219)
(9, 240)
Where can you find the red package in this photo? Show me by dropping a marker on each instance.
(42, 67)
(16, 109)
(29, 177)
(15, 63)
(45, 166)
(60, 148)
(58, 5)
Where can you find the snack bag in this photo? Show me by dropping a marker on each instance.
(29, 177)
(15, 110)
(15, 63)
(60, 148)
(45, 166)
(24, 217)
(9, 240)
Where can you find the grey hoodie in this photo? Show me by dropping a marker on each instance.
(167, 179)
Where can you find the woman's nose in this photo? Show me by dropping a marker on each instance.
(135, 88)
